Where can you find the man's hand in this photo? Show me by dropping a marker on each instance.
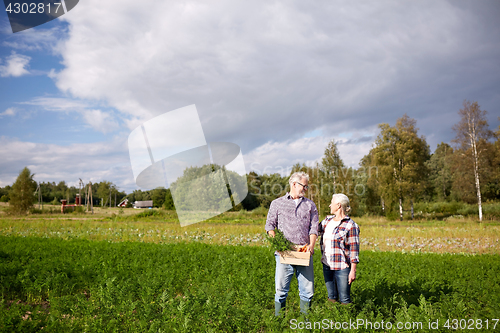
(312, 241)
(310, 248)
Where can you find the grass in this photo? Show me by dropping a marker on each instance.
(247, 228)
(137, 271)
(51, 285)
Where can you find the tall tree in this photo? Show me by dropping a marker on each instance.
(371, 199)
(496, 163)
(168, 204)
(332, 181)
(104, 191)
(22, 194)
(333, 165)
(401, 155)
(158, 195)
(440, 175)
(472, 133)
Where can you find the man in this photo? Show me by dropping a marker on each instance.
(297, 217)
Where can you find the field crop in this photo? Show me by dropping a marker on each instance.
(57, 285)
(247, 228)
(129, 271)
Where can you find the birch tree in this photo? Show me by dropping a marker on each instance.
(472, 133)
(401, 155)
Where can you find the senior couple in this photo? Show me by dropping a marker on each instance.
(297, 217)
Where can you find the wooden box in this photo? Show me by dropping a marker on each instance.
(295, 258)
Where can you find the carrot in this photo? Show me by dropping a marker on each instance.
(303, 249)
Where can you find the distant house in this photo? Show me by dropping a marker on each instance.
(143, 204)
(123, 203)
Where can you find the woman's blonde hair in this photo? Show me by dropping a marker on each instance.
(343, 200)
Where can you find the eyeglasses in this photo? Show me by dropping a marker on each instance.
(304, 186)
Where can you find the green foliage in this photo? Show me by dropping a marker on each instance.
(22, 193)
(79, 210)
(4, 198)
(400, 155)
(36, 211)
(440, 175)
(79, 285)
(158, 196)
(251, 201)
(168, 204)
(279, 242)
(441, 210)
(209, 188)
(334, 178)
(148, 213)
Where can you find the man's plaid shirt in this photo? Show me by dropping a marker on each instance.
(296, 222)
(342, 246)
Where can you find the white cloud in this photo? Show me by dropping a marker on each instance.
(16, 65)
(34, 39)
(272, 71)
(279, 157)
(49, 162)
(8, 112)
(58, 104)
(100, 121)
(264, 74)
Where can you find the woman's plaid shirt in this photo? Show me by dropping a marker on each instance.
(344, 244)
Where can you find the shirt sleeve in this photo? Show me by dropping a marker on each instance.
(321, 228)
(272, 217)
(353, 243)
(314, 220)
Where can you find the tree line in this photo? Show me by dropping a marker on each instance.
(25, 192)
(397, 172)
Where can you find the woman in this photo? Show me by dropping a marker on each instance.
(339, 249)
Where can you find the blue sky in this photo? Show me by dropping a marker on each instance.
(279, 79)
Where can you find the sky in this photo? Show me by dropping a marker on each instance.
(280, 79)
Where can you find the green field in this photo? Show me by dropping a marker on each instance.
(120, 272)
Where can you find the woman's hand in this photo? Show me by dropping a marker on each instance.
(352, 274)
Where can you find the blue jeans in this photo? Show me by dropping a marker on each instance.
(283, 277)
(337, 284)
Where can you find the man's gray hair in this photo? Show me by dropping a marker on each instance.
(296, 177)
(343, 200)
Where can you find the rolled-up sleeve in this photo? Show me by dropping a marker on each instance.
(272, 217)
(314, 220)
(353, 243)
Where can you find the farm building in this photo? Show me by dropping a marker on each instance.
(123, 203)
(143, 204)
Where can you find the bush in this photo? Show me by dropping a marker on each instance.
(392, 215)
(149, 212)
(259, 211)
(79, 210)
(440, 210)
(36, 211)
